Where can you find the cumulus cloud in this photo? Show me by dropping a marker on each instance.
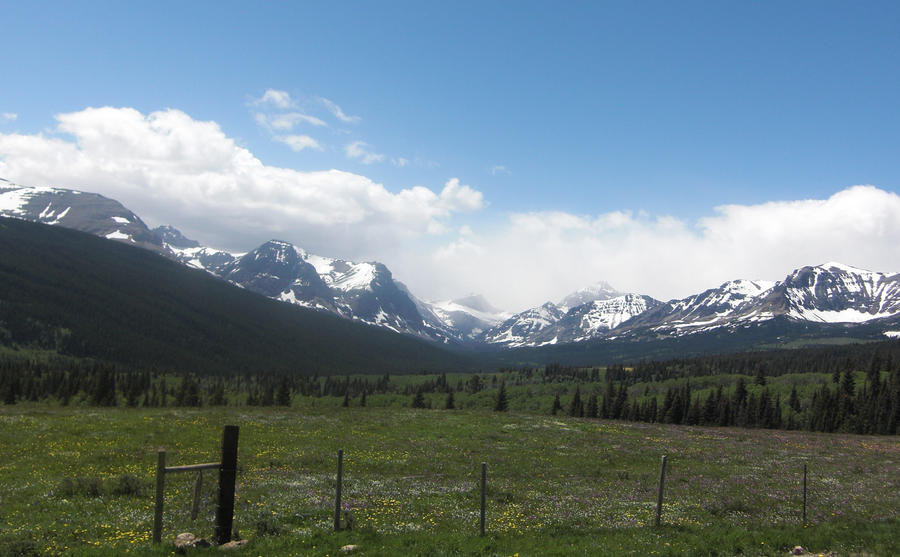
(337, 112)
(360, 151)
(499, 169)
(459, 197)
(540, 256)
(8, 116)
(170, 168)
(399, 162)
(299, 142)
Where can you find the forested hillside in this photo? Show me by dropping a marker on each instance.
(86, 297)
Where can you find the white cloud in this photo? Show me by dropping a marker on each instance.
(338, 113)
(499, 169)
(299, 142)
(170, 168)
(461, 198)
(287, 121)
(540, 256)
(360, 150)
(8, 116)
(276, 98)
(399, 162)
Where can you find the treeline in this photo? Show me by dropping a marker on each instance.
(849, 389)
(841, 406)
(772, 363)
(65, 380)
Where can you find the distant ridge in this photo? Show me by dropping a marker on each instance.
(830, 293)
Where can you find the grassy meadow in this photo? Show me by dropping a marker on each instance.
(79, 481)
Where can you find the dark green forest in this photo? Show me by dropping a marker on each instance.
(85, 297)
(853, 388)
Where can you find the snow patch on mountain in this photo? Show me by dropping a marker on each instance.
(119, 235)
(13, 201)
(447, 308)
(840, 316)
(603, 315)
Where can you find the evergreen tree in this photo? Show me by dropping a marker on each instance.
(592, 409)
(576, 408)
(449, 403)
(794, 400)
(557, 405)
(418, 400)
(268, 397)
(283, 398)
(501, 402)
(217, 396)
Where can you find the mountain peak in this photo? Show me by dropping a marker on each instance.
(173, 237)
(600, 290)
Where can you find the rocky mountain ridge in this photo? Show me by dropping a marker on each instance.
(367, 291)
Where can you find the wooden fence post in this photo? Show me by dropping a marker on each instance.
(160, 490)
(195, 504)
(659, 496)
(804, 494)
(483, 493)
(337, 494)
(227, 479)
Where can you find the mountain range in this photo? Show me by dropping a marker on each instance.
(831, 293)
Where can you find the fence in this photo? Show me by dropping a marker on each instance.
(227, 477)
(227, 467)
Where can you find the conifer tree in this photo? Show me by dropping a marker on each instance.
(592, 409)
(501, 402)
(449, 403)
(283, 398)
(794, 400)
(557, 405)
(418, 400)
(576, 408)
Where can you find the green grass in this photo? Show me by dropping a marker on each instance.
(80, 481)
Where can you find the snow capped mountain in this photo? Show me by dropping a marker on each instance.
(552, 324)
(366, 291)
(598, 291)
(709, 309)
(522, 328)
(470, 315)
(829, 293)
(597, 318)
(837, 293)
(87, 212)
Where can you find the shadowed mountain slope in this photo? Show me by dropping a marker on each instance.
(85, 296)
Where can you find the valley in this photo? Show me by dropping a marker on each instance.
(556, 485)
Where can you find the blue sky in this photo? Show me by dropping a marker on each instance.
(656, 111)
